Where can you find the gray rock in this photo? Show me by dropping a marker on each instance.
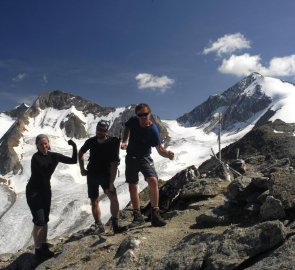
(202, 188)
(281, 258)
(282, 187)
(129, 243)
(74, 127)
(272, 209)
(236, 189)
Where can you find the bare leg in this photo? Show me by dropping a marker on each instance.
(114, 203)
(40, 235)
(95, 209)
(154, 191)
(134, 196)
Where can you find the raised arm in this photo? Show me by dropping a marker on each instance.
(70, 160)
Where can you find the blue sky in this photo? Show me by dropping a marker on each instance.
(171, 54)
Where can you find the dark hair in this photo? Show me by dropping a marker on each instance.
(141, 106)
(103, 124)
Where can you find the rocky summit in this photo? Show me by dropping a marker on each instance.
(218, 217)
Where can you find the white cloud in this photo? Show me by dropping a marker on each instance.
(228, 44)
(242, 65)
(19, 77)
(149, 81)
(282, 66)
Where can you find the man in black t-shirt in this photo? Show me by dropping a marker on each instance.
(101, 171)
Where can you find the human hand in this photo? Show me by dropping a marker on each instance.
(71, 142)
(124, 145)
(170, 155)
(84, 172)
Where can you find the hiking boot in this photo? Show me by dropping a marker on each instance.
(43, 253)
(137, 219)
(116, 227)
(97, 228)
(156, 219)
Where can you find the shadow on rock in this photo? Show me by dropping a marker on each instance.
(26, 261)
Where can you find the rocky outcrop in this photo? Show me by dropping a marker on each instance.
(9, 160)
(74, 127)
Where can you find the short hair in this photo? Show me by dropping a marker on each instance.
(41, 137)
(103, 124)
(141, 106)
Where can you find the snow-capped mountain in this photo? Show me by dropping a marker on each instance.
(252, 99)
(8, 118)
(63, 116)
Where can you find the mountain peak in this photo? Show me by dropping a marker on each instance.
(17, 111)
(237, 104)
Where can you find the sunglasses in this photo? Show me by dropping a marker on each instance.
(143, 114)
(101, 130)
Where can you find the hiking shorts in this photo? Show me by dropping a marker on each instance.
(39, 203)
(93, 183)
(134, 165)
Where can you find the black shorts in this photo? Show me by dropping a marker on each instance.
(93, 183)
(39, 203)
(134, 165)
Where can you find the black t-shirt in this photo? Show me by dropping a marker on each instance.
(101, 154)
(43, 166)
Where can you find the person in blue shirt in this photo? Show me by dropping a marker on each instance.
(140, 134)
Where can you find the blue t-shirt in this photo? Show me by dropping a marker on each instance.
(141, 139)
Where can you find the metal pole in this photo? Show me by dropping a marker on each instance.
(219, 137)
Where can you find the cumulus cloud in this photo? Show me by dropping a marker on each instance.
(19, 77)
(242, 65)
(149, 81)
(228, 44)
(282, 66)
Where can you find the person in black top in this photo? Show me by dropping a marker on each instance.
(38, 190)
(101, 171)
(140, 134)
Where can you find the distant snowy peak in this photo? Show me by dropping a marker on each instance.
(253, 98)
(61, 100)
(17, 111)
(8, 118)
